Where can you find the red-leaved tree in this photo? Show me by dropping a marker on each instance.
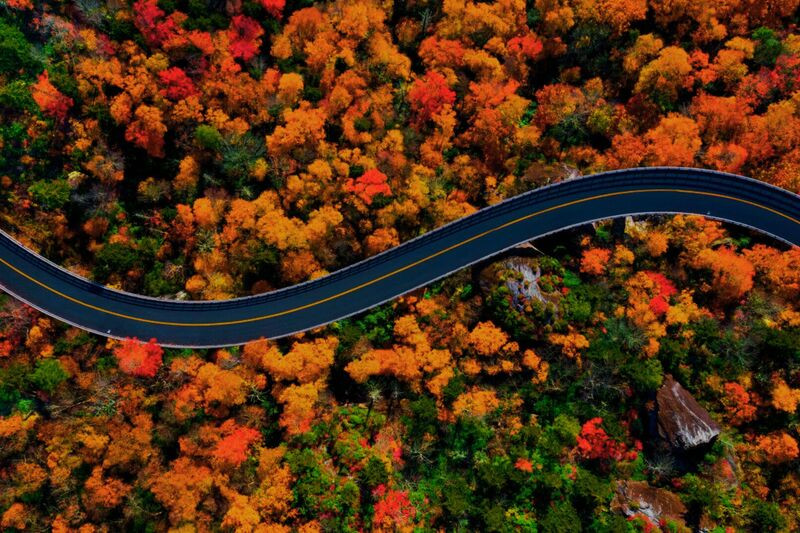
(232, 449)
(245, 37)
(429, 94)
(594, 443)
(368, 185)
(393, 508)
(49, 99)
(139, 359)
(274, 7)
(177, 85)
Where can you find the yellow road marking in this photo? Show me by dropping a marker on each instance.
(394, 272)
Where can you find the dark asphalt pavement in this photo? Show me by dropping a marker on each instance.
(67, 297)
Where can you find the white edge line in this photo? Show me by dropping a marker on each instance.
(678, 170)
(429, 282)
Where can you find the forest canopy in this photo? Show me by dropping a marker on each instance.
(201, 149)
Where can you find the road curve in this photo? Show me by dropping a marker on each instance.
(111, 313)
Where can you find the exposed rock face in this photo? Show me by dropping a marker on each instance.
(639, 498)
(538, 174)
(681, 420)
(524, 286)
(519, 273)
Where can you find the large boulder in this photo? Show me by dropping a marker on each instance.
(681, 420)
(637, 498)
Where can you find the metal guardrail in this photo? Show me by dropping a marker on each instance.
(698, 179)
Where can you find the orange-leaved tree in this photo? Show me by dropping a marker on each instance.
(232, 449)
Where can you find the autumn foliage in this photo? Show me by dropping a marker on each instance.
(368, 185)
(595, 261)
(594, 443)
(245, 37)
(739, 404)
(190, 151)
(139, 359)
(392, 510)
(778, 447)
(429, 94)
(50, 100)
(232, 448)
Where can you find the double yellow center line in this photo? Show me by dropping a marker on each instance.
(394, 272)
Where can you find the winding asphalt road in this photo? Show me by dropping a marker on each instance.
(108, 312)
